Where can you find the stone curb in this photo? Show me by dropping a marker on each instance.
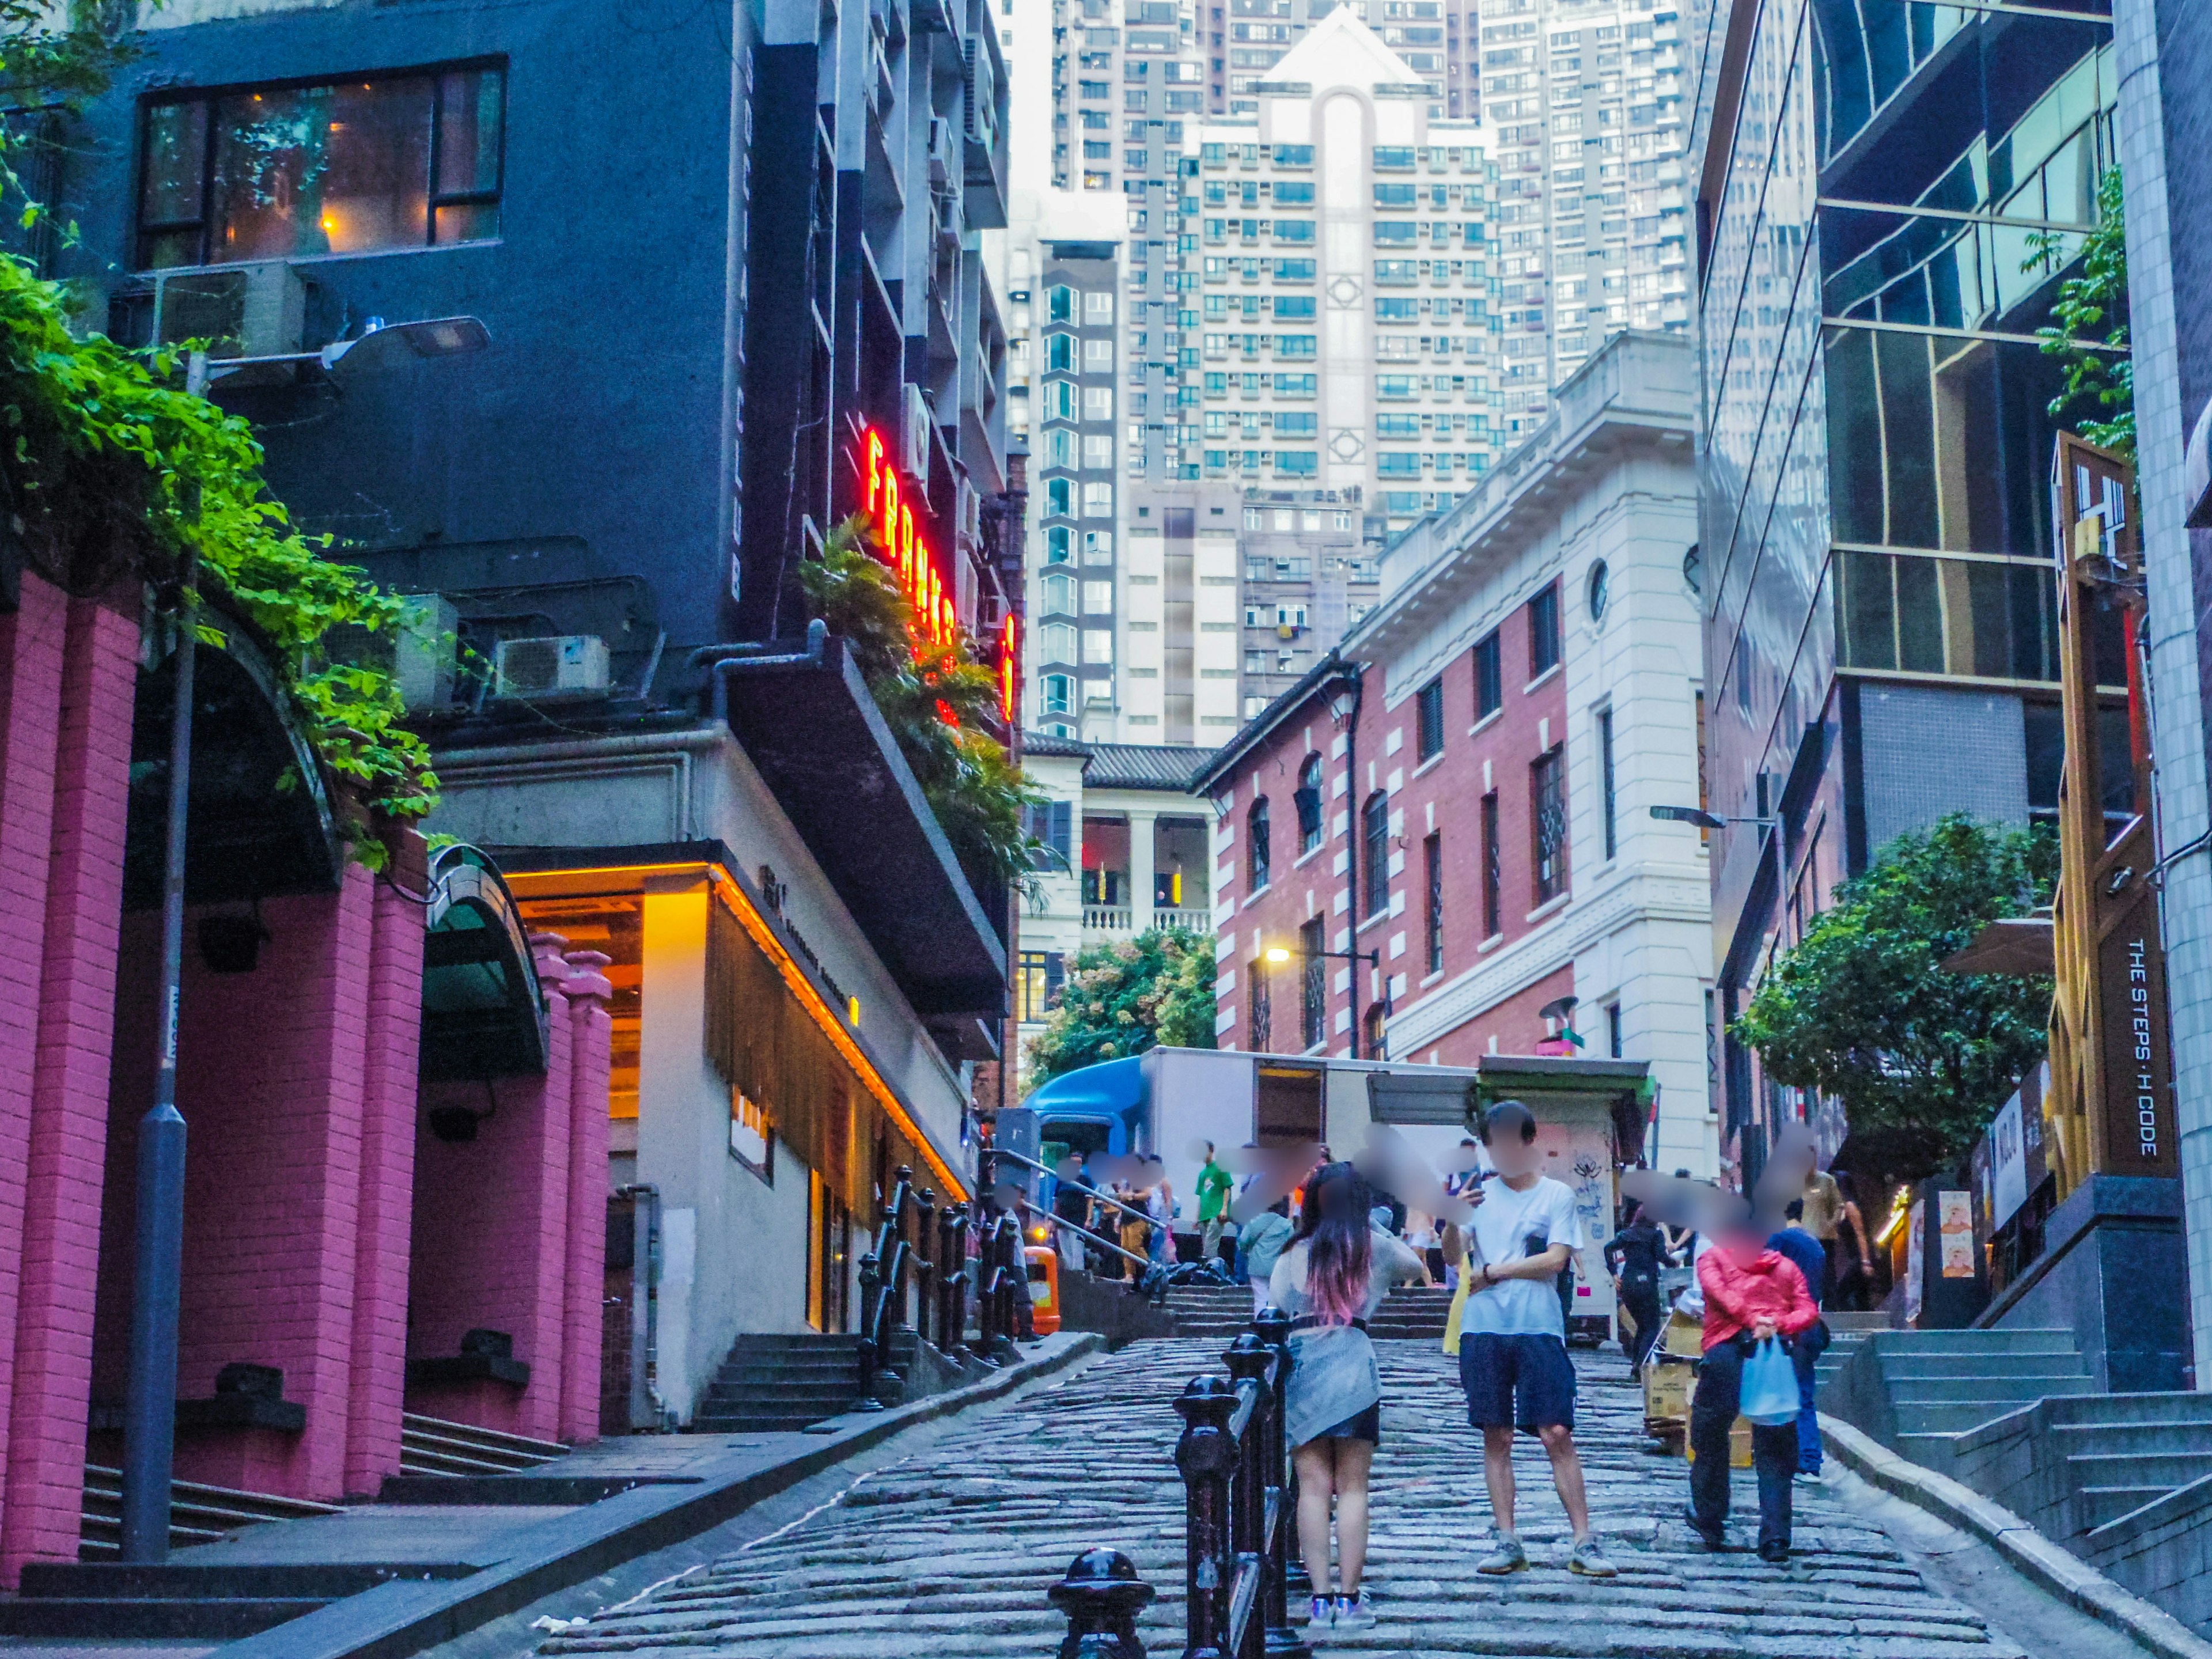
(2026, 1550)
(405, 1616)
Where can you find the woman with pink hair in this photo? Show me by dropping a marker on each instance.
(1330, 1281)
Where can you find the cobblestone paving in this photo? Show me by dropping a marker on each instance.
(953, 1554)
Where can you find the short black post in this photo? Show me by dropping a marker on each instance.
(871, 1276)
(925, 1264)
(952, 1282)
(1247, 1358)
(1206, 1457)
(1101, 1596)
(1284, 1639)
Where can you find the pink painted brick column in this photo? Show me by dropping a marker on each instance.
(587, 991)
(271, 1080)
(60, 1255)
(489, 1219)
(32, 646)
(389, 1091)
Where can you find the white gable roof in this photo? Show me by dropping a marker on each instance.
(1341, 51)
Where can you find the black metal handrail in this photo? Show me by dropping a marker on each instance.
(1239, 1501)
(1085, 1234)
(1004, 1275)
(882, 1287)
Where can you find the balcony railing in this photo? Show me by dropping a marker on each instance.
(1107, 919)
(1199, 921)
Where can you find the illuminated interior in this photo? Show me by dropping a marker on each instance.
(612, 924)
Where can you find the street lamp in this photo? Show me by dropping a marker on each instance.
(149, 1413)
(1277, 955)
(1703, 819)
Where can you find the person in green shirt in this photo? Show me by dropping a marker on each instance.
(1214, 1185)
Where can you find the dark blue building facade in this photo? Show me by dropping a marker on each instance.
(729, 263)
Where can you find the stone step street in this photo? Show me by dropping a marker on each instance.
(953, 1555)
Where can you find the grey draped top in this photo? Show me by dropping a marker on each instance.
(1333, 1375)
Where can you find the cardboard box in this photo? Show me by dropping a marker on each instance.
(1685, 1338)
(1739, 1435)
(1666, 1386)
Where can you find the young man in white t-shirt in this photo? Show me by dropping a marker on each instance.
(1513, 1335)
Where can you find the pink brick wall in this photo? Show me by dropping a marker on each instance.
(32, 646)
(46, 1435)
(270, 1079)
(593, 1032)
(394, 1039)
(1444, 797)
(490, 1220)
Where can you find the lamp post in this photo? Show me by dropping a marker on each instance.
(150, 1412)
(1277, 955)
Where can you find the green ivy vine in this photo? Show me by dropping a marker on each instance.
(2090, 335)
(112, 471)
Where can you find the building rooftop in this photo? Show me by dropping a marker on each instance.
(1126, 765)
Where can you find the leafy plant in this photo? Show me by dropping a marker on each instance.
(111, 471)
(1123, 999)
(935, 699)
(2095, 300)
(1861, 1010)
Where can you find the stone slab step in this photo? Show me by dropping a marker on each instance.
(2135, 1468)
(223, 1618)
(1933, 1390)
(2098, 1506)
(1902, 1368)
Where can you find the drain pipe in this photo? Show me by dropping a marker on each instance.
(646, 1405)
(721, 660)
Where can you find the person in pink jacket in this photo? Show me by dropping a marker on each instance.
(1752, 1293)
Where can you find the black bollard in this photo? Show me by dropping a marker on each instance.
(1285, 1640)
(1248, 1521)
(1101, 1596)
(1206, 1457)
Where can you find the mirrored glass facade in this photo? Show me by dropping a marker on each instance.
(1890, 192)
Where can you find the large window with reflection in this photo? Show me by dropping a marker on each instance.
(343, 167)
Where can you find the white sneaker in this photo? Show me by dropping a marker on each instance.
(1354, 1613)
(1323, 1619)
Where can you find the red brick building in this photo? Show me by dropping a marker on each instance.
(1445, 827)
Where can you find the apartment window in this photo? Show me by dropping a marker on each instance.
(1037, 981)
(1375, 1027)
(1261, 1015)
(398, 161)
(1309, 803)
(1605, 779)
(1612, 1030)
(1544, 632)
(1313, 985)
(1493, 869)
(1374, 848)
(1431, 709)
(1488, 678)
(1548, 791)
(1256, 850)
(752, 1136)
(1433, 920)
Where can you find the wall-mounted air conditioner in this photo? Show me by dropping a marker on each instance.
(563, 665)
(915, 445)
(255, 310)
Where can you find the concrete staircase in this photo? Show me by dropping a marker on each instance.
(434, 1446)
(774, 1382)
(1915, 1390)
(1410, 1312)
(198, 1514)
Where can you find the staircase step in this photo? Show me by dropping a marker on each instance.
(2187, 1437)
(2112, 1409)
(1954, 1417)
(146, 1617)
(1935, 1390)
(2139, 1468)
(1913, 1367)
(1985, 1342)
(543, 1451)
(2098, 1506)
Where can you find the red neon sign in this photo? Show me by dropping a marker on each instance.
(936, 621)
(1009, 662)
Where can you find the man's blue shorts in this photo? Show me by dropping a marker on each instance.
(1527, 1382)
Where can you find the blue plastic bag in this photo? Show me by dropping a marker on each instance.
(1769, 1385)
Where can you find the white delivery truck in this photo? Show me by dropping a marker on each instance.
(1592, 1118)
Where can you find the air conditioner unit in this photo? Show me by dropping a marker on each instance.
(943, 157)
(914, 446)
(420, 652)
(255, 310)
(563, 665)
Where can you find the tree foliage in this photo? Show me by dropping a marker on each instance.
(935, 698)
(111, 471)
(1123, 999)
(2091, 310)
(1861, 1010)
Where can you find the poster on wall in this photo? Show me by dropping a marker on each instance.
(2008, 1164)
(1955, 1220)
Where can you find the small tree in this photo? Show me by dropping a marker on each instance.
(1861, 1009)
(1121, 1000)
(2090, 312)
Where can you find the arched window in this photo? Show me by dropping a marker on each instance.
(1375, 1026)
(1308, 800)
(1375, 851)
(1256, 849)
